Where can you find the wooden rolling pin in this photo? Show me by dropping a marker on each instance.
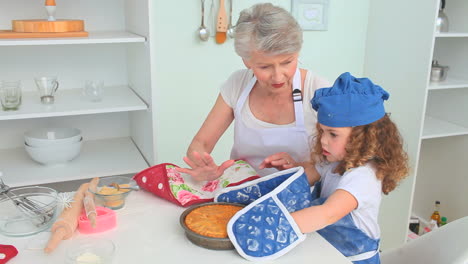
(89, 205)
(66, 224)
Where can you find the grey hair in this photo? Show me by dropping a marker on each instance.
(267, 28)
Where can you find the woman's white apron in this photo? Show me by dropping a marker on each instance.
(254, 145)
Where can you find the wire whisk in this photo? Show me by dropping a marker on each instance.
(39, 212)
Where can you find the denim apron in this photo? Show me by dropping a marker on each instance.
(255, 144)
(345, 236)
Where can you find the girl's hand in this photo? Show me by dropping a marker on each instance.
(203, 167)
(280, 161)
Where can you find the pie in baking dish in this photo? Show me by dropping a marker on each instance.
(211, 220)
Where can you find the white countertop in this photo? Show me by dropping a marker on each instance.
(148, 231)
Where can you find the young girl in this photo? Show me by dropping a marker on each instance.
(358, 155)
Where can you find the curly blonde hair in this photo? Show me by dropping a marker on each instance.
(379, 143)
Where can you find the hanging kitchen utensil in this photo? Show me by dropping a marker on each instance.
(230, 30)
(212, 19)
(442, 22)
(203, 31)
(221, 26)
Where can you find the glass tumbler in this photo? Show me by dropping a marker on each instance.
(10, 95)
(93, 90)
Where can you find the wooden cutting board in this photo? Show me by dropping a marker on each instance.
(43, 25)
(41, 28)
(8, 34)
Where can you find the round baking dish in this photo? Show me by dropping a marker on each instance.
(205, 241)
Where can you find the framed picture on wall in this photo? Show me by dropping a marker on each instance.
(311, 14)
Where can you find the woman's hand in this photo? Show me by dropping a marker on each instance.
(280, 161)
(203, 167)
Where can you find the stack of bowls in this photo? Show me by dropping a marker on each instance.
(51, 146)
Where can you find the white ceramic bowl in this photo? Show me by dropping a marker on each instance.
(54, 154)
(41, 137)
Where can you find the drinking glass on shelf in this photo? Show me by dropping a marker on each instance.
(10, 95)
(93, 90)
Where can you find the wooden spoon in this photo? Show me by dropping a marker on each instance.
(221, 26)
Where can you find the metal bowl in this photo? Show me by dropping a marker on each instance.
(204, 241)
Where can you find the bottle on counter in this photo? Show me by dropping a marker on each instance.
(436, 215)
(443, 220)
(430, 227)
(414, 225)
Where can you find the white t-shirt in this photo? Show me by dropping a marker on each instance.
(363, 184)
(235, 84)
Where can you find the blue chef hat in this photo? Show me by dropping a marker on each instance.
(349, 102)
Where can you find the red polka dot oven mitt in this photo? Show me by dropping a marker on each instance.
(179, 188)
(7, 252)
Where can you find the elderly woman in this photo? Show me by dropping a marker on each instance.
(268, 101)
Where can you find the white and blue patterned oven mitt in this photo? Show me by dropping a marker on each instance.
(250, 191)
(265, 229)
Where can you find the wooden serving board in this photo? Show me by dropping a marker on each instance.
(9, 34)
(45, 26)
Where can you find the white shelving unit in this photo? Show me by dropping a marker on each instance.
(436, 128)
(449, 83)
(432, 117)
(72, 102)
(117, 131)
(444, 140)
(98, 37)
(97, 158)
(451, 35)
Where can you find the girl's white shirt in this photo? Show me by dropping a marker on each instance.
(363, 184)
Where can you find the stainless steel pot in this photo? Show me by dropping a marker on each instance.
(438, 72)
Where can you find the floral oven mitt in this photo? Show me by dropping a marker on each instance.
(179, 188)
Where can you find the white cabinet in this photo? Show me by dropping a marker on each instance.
(118, 132)
(444, 149)
(432, 117)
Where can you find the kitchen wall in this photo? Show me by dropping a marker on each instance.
(187, 73)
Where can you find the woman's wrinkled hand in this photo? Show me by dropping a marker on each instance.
(203, 167)
(280, 161)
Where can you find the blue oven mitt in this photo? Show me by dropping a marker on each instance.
(252, 190)
(265, 229)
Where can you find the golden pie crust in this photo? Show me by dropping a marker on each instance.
(211, 220)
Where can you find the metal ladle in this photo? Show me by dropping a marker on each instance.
(203, 31)
(230, 30)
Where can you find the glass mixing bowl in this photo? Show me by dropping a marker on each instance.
(29, 211)
(90, 251)
(111, 197)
